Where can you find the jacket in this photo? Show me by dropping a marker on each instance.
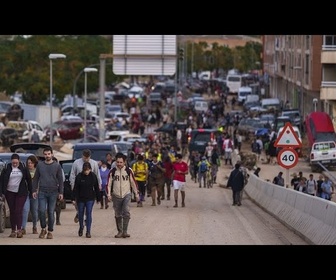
(86, 188)
(25, 186)
(236, 180)
(122, 183)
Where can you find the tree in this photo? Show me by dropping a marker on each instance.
(25, 66)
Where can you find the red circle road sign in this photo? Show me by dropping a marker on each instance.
(288, 158)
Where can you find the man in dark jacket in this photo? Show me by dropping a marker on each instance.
(236, 182)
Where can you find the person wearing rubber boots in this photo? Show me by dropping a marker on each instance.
(119, 192)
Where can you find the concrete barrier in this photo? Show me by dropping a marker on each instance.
(311, 217)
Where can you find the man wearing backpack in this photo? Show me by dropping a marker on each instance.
(203, 167)
(156, 179)
(120, 181)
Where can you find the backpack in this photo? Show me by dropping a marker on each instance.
(230, 146)
(255, 147)
(203, 167)
(128, 171)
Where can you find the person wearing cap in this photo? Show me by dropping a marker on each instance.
(86, 190)
(180, 170)
(140, 169)
(201, 173)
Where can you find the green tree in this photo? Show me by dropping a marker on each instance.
(25, 65)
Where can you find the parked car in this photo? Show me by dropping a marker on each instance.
(131, 137)
(295, 115)
(66, 129)
(25, 129)
(319, 127)
(155, 97)
(98, 150)
(248, 126)
(322, 152)
(66, 166)
(112, 109)
(200, 139)
(7, 136)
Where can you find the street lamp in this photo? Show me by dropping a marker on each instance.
(51, 57)
(86, 70)
(315, 103)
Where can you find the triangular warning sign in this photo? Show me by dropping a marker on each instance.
(288, 138)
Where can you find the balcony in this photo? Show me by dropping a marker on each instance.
(328, 56)
(328, 91)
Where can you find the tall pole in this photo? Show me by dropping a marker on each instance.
(86, 70)
(50, 101)
(85, 98)
(51, 57)
(102, 99)
(192, 58)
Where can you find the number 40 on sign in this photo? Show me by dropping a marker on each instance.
(288, 158)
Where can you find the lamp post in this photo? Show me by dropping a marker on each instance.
(315, 103)
(51, 57)
(86, 70)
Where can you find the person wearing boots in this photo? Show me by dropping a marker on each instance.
(119, 192)
(156, 179)
(104, 171)
(140, 169)
(86, 191)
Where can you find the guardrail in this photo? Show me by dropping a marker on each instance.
(313, 218)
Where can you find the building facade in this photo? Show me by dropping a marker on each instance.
(302, 70)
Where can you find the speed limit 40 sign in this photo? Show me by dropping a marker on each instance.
(288, 158)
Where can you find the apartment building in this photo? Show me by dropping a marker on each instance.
(296, 72)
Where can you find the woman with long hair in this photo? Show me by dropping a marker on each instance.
(31, 203)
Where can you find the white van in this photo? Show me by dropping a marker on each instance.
(233, 82)
(243, 92)
(201, 106)
(269, 104)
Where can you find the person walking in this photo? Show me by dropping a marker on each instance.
(215, 164)
(279, 180)
(119, 192)
(168, 166)
(86, 191)
(77, 168)
(203, 166)
(156, 179)
(16, 184)
(236, 183)
(31, 203)
(180, 170)
(140, 169)
(327, 188)
(48, 180)
(103, 171)
(319, 186)
(311, 185)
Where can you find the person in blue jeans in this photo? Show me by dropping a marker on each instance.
(31, 203)
(48, 180)
(85, 192)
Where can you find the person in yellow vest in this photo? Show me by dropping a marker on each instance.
(140, 169)
(172, 154)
